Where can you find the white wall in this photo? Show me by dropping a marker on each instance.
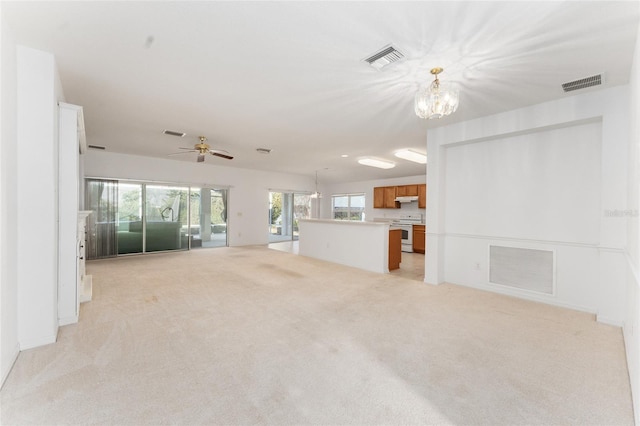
(632, 269)
(363, 245)
(9, 346)
(540, 177)
(366, 187)
(248, 189)
(38, 90)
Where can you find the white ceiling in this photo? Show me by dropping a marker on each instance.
(289, 75)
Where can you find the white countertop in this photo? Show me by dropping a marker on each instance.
(346, 222)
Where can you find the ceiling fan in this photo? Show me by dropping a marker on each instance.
(203, 148)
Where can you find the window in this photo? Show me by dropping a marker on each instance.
(348, 206)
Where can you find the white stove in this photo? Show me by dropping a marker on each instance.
(405, 223)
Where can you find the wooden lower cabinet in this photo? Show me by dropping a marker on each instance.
(419, 234)
(422, 196)
(395, 248)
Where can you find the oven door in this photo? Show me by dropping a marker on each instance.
(407, 237)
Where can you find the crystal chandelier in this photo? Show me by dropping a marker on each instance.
(437, 99)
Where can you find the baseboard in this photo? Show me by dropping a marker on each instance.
(609, 321)
(14, 357)
(530, 296)
(67, 320)
(34, 343)
(632, 340)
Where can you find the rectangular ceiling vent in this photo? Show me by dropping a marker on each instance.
(386, 56)
(522, 268)
(583, 83)
(172, 133)
(96, 147)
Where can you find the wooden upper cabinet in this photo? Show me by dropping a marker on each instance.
(390, 197)
(378, 197)
(384, 197)
(407, 190)
(422, 196)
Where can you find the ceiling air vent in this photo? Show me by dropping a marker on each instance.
(384, 57)
(172, 133)
(583, 83)
(96, 147)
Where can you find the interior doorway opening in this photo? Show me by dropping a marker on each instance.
(285, 209)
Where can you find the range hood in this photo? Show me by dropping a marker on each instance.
(407, 199)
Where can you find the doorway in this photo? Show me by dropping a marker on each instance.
(285, 209)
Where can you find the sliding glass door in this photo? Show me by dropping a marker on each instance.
(166, 218)
(208, 217)
(136, 217)
(101, 197)
(285, 208)
(129, 230)
(301, 210)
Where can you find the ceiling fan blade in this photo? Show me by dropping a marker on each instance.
(184, 152)
(222, 154)
(200, 158)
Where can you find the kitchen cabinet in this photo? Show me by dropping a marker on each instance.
(407, 191)
(378, 197)
(390, 198)
(395, 252)
(422, 196)
(419, 233)
(384, 197)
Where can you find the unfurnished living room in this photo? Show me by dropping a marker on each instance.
(320, 212)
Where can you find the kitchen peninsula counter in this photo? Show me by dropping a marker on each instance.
(363, 245)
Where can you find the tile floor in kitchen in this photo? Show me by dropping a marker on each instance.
(411, 266)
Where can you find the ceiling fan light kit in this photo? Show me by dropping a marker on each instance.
(437, 99)
(202, 149)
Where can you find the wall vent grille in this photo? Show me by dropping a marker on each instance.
(522, 268)
(386, 56)
(583, 83)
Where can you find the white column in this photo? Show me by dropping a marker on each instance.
(205, 214)
(37, 177)
(434, 252)
(68, 176)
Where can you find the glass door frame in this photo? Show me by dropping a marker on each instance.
(144, 218)
(287, 216)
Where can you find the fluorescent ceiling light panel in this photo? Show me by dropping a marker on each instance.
(377, 163)
(407, 154)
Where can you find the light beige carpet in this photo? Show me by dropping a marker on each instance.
(257, 336)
